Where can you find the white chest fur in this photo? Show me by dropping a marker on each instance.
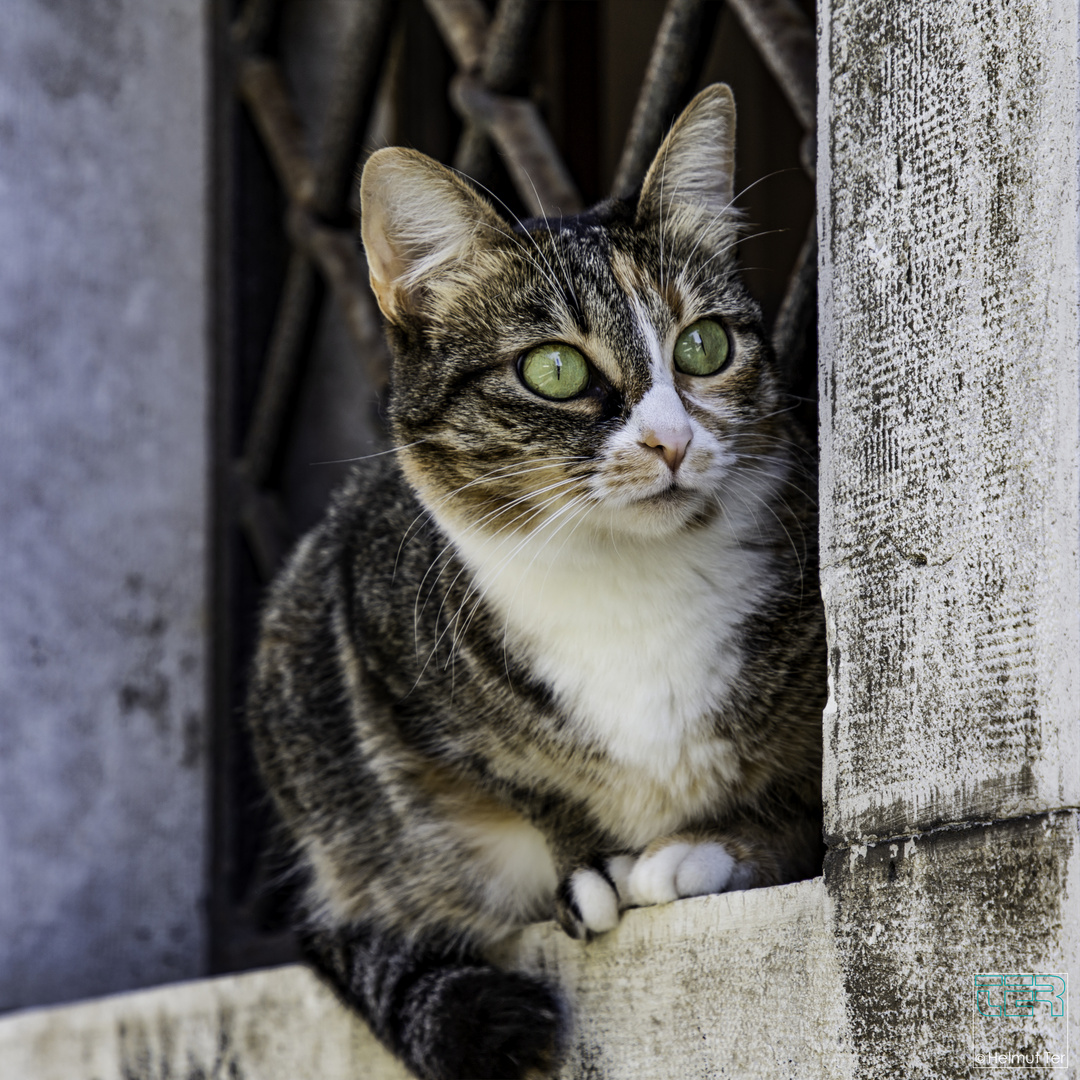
(638, 639)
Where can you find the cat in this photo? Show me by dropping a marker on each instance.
(562, 652)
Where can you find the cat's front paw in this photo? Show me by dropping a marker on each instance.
(671, 869)
(587, 903)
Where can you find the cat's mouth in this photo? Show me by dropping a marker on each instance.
(673, 497)
(671, 494)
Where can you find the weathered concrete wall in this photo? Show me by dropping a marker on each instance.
(948, 179)
(948, 192)
(103, 376)
(279, 1024)
(744, 986)
(917, 919)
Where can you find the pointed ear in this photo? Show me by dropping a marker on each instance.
(416, 216)
(693, 173)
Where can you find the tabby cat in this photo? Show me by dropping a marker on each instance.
(562, 653)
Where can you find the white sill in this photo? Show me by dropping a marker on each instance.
(744, 985)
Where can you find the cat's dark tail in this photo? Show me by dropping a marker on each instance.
(447, 1016)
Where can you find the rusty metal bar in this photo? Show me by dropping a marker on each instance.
(673, 66)
(808, 154)
(335, 252)
(785, 38)
(532, 159)
(509, 41)
(262, 87)
(798, 308)
(298, 307)
(359, 64)
(324, 189)
(263, 523)
(463, 25)
(254, 24)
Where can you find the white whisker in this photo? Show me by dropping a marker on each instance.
(368, 457)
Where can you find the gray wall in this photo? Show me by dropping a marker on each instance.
(103, 440)
(949, 206)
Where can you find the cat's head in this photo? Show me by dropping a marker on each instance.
(605, 372)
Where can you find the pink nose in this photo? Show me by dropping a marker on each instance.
(671, 443)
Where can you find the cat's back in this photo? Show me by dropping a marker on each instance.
(334, 593)
(368, 537)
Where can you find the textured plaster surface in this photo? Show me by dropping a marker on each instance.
(918, 918)
(949, 283)
(788, 982)
(103, 374)
(948, 177)
(742, 986)
(279, 1024)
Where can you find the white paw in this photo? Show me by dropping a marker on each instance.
(619, 868)
(681, 869)
(595, 900)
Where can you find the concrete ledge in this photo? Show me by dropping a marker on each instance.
(746, 985)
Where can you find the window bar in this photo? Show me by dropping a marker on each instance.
(674, 65)
(335, 252)
(262, 88)
(301, 297)
(796, 313)
(785, 38)
(320, 252)
(513, 124)
(253, 26)
(359, 64)
(463, 25)
(509, 41)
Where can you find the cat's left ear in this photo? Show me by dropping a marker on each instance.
(693, 174)
(417, 217)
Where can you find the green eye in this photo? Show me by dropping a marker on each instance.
(703, 348)
(555, 371)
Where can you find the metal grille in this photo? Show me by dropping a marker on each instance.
(290, 274)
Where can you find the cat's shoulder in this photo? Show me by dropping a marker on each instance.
(369, 516)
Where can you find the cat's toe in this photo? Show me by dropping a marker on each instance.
(619, 869)
(708, 868)
(596, 899)
(589, 903)
(681, 869)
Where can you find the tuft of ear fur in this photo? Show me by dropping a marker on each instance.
(416, 216)
(692, 177)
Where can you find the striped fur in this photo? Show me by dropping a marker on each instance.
(538, 664)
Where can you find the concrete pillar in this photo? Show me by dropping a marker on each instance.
(948, 195)
(103, 495)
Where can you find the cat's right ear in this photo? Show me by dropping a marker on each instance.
(417, 217)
